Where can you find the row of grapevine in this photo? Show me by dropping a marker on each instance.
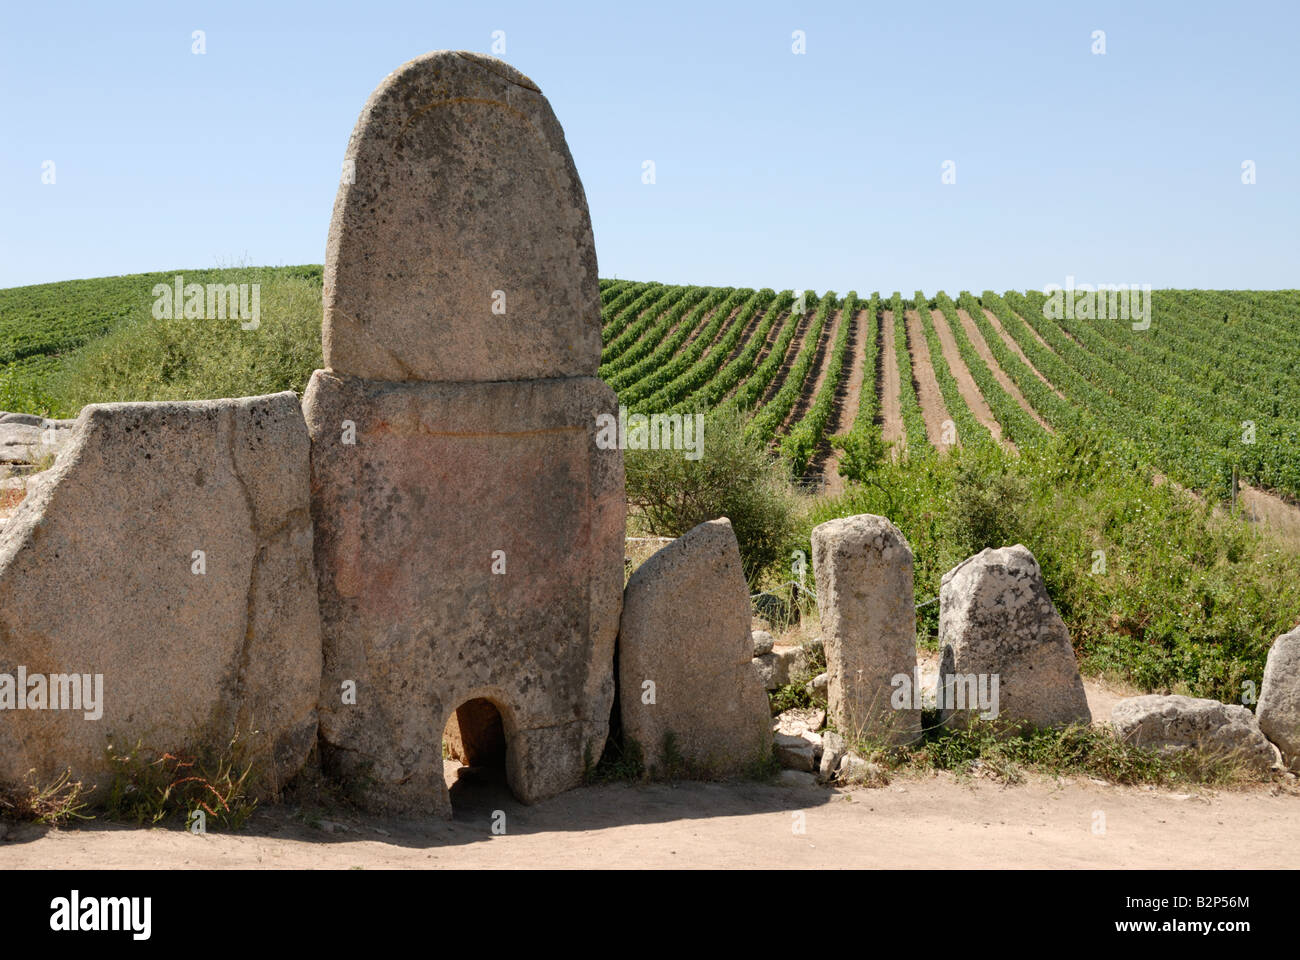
(1019, 427)
(638, 318)
(800, 443)
(1148, 364)
(653, 326)
(1180, 370)
(626, 306)
(1176, 396)
(1070, 378)
(918, 442)
(609, 289)
(969, 430)
(869, 401)
(1239, 352)
(645, 356)
(736, 369)
(1170, 436)
(704, 367)
(752, 389)
(773, 413)
(1058, 413)
(675, 364)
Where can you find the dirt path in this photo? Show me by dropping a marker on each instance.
(1271, 514)
(1014, 347)
(977, 341)
(848, 398)
(966, 385)
(890, 417)
(916, 821)
(927, 385)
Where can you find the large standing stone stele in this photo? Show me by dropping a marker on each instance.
(461, 248)
(863, 567)
(686, 673)
(469, 529)
(997, 620)
(444, 484)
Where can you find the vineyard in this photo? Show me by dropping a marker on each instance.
(1204, 394)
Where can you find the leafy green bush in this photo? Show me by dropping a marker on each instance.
(863, 452)
(735, 477)
(145, 358)
(988, 508)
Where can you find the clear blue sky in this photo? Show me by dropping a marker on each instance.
(819, 170)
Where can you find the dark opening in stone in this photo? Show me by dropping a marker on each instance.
(474, 751)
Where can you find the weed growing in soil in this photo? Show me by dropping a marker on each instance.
(56, 803)
(149, 787)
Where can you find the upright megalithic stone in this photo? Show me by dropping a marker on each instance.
(461, 246)
(689, 695)
(469, 529)
(863, 567)
(1003, 641)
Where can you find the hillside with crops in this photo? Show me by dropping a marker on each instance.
(1204, 394)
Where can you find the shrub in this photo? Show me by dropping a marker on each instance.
(145, 358)
(864, 452)
(988, 508)
(735, 477)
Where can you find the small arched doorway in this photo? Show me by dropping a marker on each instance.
(474, 755)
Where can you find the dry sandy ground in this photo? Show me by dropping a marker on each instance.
(921, 821)
(966, 385)
(1271, 514)
(927, 385)
(918, 820)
